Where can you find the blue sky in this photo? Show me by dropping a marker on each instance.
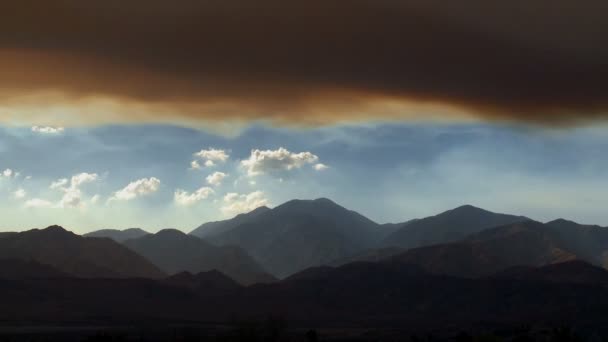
(390, 172)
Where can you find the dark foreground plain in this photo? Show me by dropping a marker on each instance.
(354, 300)
(465, 275)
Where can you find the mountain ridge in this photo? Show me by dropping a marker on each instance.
(174, 251)
(77, 255)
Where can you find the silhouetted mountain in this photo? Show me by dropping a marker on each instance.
(77, 255)
(385, 292)
(575, 271)
(300, 234)
(5, 234)
(369, 255)
(589, 242)
(207, 282)
(173, 251)
(527, 243)
(211, 229)
(118, 235)
(383, 295)
(448, 226)
(20, 269)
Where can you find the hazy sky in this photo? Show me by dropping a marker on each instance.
(162, 113)
(144, 175)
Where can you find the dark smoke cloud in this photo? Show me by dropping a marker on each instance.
(312, 61)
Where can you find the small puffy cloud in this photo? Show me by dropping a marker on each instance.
(320, 167)
(216, 178)
(235, 204)
(19, 194)
(185, 198)
(210, 157)
(47, 130)
(269, 161)
(195, 165)
(213, 154)
(141, 187)
(72, 195)
(71, 199)
(38, 203)
(82, 178)
(58, 184)
(8, 173)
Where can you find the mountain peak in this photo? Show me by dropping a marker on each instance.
(259, 209)
(134, 230)
(561, 223)
(256, 211)
(54, 228)
(324, 200)
(307, 203)
(170, 232)
(467, 208)
(57, 231)
(560, 220)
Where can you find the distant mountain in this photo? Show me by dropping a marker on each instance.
(300, 234)
(211, 229)
(76, 255)
(589, 242)
(448, 226)
(575, 271)
(204, 282)
(493, 250)
(369, 255)
(174, 252)
(118, 235)
(28, 269)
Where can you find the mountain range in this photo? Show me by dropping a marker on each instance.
(315, 261)
(296, 235)
(78, 256)
(266, 244)
(174, 252)
(372, 295)
(118, 235)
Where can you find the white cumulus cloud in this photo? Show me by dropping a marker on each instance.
(47, 130)
(81, 178)
(235, 204)
(141, 187)
(216, 178)
(269, 161)
(72, 195)
(320, 167)
(195, 165)
(185, 198)
(58, 184)
(71, 189)
(209, 157)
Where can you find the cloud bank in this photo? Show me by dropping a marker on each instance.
(302, 62)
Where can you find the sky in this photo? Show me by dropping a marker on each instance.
(158, 113)
(160, 176)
